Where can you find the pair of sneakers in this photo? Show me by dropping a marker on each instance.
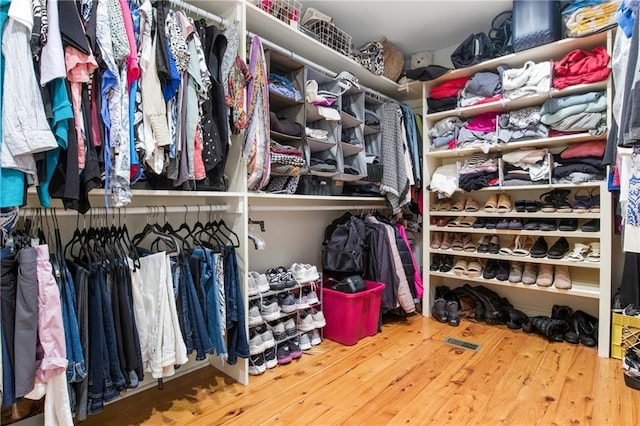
(261, 339)
(307, 297)
(258, 283)
(288, 351)
(311, 320)
(304, 273)
(280, 278)
(307, 340)
(259, 363)
(282, 330)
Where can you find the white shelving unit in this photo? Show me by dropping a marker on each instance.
(591, 288)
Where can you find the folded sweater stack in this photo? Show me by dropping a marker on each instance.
(482, 87)
(522, 124)
(526, 167)
(580, 66)
(444, 97)
(479, 171)
(578, 113)
(589, 16)
(481, 129)
(581, 162)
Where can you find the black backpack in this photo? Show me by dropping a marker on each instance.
(344, 249)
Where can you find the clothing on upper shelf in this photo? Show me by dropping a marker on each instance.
(579, 67)
(444, 104)
(586, 17)
(479, 87)
(532, 79)
(281, 85)
(585, 112)
(480, 129)
(519, 125)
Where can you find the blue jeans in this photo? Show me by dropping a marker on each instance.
(208, 281)
(201, 338)
(97, 377)
(236, 329)
(8, 277)
(115, 368)
(78, 392)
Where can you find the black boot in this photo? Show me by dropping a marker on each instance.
(565, 313)
(587, 327)
(439, 311)
(550, 328)
(514, 318)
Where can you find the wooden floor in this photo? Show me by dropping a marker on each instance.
(404, 375)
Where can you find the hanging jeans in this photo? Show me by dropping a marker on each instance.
(195, 328)
(208, 281)
(236, 331)
(76, 369)
(78, 392)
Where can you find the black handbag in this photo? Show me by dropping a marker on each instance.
(475, 49)
(351, 284)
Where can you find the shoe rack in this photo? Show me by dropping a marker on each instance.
(586, 261)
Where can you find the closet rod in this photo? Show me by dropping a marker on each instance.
(309, 63)
(149, 210)
(197, 11)
(330, 207)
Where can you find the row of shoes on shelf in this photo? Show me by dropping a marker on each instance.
(266, 353)
(273, 308)
(484, 305)
(281, 278)
(517, 224)
(556, 200)
(520, 246)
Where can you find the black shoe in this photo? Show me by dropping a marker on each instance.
(591, 226)
(447, 263)
(490, 270)
(568, 225)
(558, 249)
(439, 311)
(565, 313)
(539, 248)
(451, 309)
(532, 225)
(436, 262)
(480, 222)
(491, 223)
(587, 327)
(548, 225)
(550, 328)
(514, 318)
(502, 272)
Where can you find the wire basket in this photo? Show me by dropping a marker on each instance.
(332, 36)
(287, 11)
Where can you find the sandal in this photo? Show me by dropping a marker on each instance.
(456, 222)
(467, 222)
(577, 255)
(468, 244)
(521, 206)
(483, 244)
(471, 205)
(447, 241)
(508, 250)
(594, 254)
(458, 242)
(548, 203)
(436, 262)
(525, 247)
(459, 205)
(581, 203)
(436, 240)
(442, 205)
(562, 200)
(504, 204)
(474, 269)
(494, 244)
(532, 206)
(492, 204)
(460, 268)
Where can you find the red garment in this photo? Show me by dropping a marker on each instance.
(449, 88)
(495, 98)
(584, 149)
(579, 66)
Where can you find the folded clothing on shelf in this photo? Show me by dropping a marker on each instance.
(533, 78)
(283, 86)
(283, 125)
(585, 112)
(319, 134)
(580, 66)
(586, 17)
(444, 104)
(448, 89)
(371, 119)
(480, 86)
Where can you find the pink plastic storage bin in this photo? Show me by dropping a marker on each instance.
(350, 317)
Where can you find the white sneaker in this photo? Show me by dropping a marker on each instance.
(290, 327)
(300, 273)
(306, 322)
(270, 310)
(318, 319)
(252, 288)
(257, 365)
(256, 346)
(260, 282)
(268, 341)
(312, 272)
(305, 343)
(254, 316)
(278, 331)
(312, 297)
(315, 338)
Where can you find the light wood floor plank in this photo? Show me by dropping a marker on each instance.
(404, 375)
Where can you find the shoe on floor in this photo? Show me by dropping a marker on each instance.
(453, 318)
(315, 337)
(306, 322)
(270, 357)
(438, 311)
(294, 349)
(257, 365)
(283, 354)
(305, 343)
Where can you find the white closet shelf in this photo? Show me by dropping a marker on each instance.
(346, 177)
(349, 121)
(278, 32)
(350, 149)
(317, 145)
(538, 186)
(256, 197)
(587, 290)
(513, 213)
(368, 130)
(180, 194)
(551, 51)
(529, 259)
(505, 105)
(283, 137)
(485, 231)
(323, 174)
(512, 146)
(278, 101)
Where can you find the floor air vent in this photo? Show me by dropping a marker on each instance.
(462, 344)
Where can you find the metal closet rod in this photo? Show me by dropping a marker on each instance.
(197, 11)
(205, 208)
(330, 207)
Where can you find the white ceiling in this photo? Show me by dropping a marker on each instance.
(412, 26)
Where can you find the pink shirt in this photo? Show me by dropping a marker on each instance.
(133, 68)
